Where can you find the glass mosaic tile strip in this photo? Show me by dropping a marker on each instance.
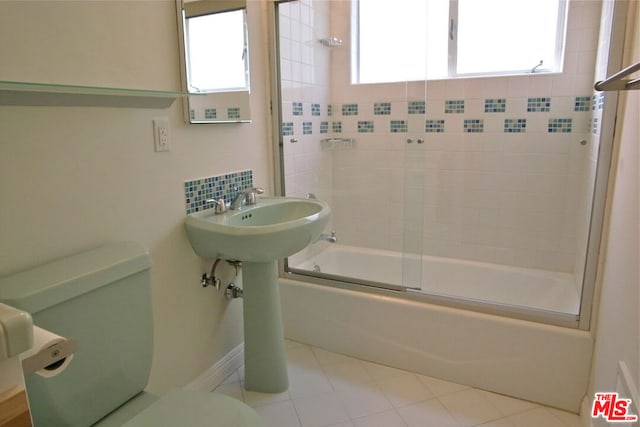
(307, 128)
(560, 125)
(597, 101)
(515, 125)
(594, 125)
(416, 107)
(454, 106)
(434, 126)
(287, 128)
(498, 105)
(382, 108)
(538, 105)
(315, 109)
(210, 113)
(365, 126)
(298, 109)
(329, 110)
(349, 109)
(214, 187)
(473, 125)
(398, 126)
(324, 127)
(582, 103)
(336, 127)
(233, 113)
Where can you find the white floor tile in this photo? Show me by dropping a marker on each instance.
(404, 389)
(363, 400)
(230, 389)
(498, 423)
(383, 419)
(571, 420)
(255, 399)
(320, 410)
(326, 357)
(469, 407)
(332, 390)
(281, 414)
(307, 381)
(347, 373)
(508, 405)
(426, 414)
(378, 372)
(441, 387)
(536, 418)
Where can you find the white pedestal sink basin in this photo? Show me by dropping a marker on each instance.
(258, 235)
(273, 228)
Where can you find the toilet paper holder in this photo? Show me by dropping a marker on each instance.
(49, 358)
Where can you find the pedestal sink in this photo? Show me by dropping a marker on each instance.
(258, 235)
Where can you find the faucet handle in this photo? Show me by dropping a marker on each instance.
(252, 195)
(218, 205)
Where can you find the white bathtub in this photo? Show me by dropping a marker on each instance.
(515, 286)
(529, 360)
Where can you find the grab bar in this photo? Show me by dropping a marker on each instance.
(615, 82)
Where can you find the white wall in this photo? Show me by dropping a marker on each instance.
(618, 323)
(74, 178)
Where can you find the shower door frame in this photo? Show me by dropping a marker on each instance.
(582, 320)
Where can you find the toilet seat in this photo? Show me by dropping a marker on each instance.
(196, 409)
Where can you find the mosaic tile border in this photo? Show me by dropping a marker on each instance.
(538, 105)
(416, 107)
(498, 105)
(363, 115)
(560, 125)
(473, 125)
(214, 187)
(454, 106)
(436, 126)
(515, 125)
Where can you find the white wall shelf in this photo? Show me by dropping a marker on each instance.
(44, 94)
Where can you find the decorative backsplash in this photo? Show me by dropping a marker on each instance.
(214, 187)
(437, 121)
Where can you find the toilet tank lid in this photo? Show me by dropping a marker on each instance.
(50, 284)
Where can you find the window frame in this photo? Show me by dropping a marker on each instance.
(452, 48)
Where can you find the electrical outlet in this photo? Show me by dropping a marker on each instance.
(161, 134)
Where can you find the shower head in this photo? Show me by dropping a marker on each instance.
(331, 41)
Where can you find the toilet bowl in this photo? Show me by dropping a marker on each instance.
(102, 298)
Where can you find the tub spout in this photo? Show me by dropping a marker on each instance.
(331, 238)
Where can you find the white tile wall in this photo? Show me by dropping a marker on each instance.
(509, 198)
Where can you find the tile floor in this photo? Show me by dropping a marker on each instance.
(329, 389)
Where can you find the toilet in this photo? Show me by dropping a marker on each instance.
(102, 298)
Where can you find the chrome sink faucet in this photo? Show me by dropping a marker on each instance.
(246, 197)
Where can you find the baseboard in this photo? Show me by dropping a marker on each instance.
(216, 374)
(585, 413)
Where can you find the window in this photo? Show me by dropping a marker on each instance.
(418, 39)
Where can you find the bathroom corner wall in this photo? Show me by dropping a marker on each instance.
(75, 178)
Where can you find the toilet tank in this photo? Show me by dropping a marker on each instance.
(102, 299)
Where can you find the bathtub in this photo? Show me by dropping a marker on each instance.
(520, 358)
(514, 286)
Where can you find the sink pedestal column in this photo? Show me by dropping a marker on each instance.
(265, 362)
